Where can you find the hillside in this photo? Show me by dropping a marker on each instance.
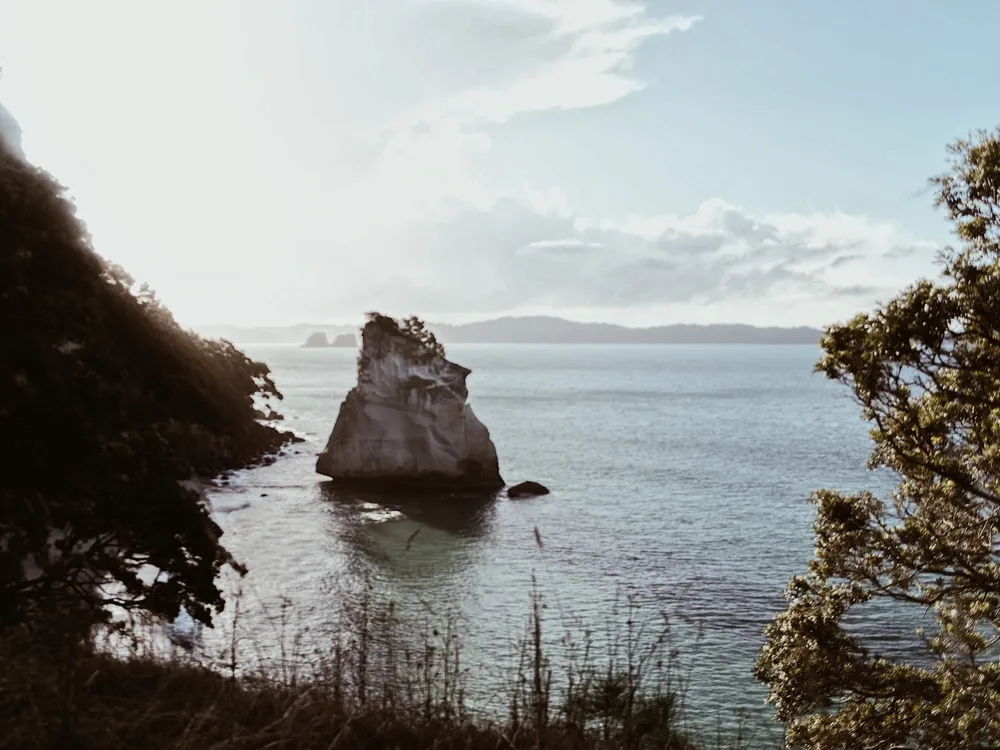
(108, 407)
(540, 330)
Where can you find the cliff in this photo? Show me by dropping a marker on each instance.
(407, 420)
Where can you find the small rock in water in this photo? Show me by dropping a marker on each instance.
(263, 494)
(527, 489)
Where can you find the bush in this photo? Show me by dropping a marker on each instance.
(106, 406)
(381, 685)
(411, 328)
(925, 368)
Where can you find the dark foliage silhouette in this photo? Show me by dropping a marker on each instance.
(107, 405)
(925, 368)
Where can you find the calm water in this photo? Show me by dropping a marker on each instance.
(680, 475)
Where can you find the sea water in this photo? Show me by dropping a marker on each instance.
(680, 479)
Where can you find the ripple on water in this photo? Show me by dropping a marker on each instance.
(681, 477)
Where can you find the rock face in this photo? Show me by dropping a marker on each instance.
(407, 420)
(345, 339)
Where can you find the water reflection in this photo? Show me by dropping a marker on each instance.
(467, 513)
(426, 537)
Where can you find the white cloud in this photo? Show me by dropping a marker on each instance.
(570, 16)
(590, 73)
(780, 269)
(314, 160)
(568, 245)
(578, 57)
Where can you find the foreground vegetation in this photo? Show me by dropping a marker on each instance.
(381, 685)
(925, 368)
(107, 405)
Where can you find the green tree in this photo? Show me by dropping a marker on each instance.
(925, 369)
(411, 328)
(106, 406)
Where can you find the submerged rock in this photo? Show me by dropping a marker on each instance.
(269, 416)
(407, 420)
(527, 489)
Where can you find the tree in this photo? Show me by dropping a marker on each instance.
(412, 329)
(106, 406)
(925, 369)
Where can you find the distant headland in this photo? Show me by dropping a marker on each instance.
(531, 330)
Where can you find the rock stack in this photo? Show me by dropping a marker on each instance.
(407, 420)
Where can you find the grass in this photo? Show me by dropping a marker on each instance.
(379, 685)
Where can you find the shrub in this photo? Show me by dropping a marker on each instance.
(925, 368)
(106, 406)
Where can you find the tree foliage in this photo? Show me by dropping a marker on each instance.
(106, 404)
(412, 328)
(925, 368)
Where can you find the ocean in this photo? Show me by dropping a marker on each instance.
(680, 478)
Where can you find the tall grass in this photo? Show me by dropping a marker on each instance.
(379, 684)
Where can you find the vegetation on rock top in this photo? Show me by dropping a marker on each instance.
(413, 329)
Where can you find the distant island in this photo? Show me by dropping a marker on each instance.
(532, 330)
(318, 340)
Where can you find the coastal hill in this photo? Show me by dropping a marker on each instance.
(539, 330)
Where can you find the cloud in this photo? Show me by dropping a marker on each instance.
(842, 260)
(582, 54)
(529, 56)
(322, 159)
(900, 251)
(569, 245)
(509, 257)
(862, 291)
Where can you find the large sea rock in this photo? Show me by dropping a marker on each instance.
(407, 420)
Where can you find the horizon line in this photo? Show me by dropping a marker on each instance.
(429, 321)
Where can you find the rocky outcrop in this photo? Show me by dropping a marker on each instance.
(527, 489)
(316, 340)
(407, 420)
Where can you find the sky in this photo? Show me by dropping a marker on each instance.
(643, 163)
